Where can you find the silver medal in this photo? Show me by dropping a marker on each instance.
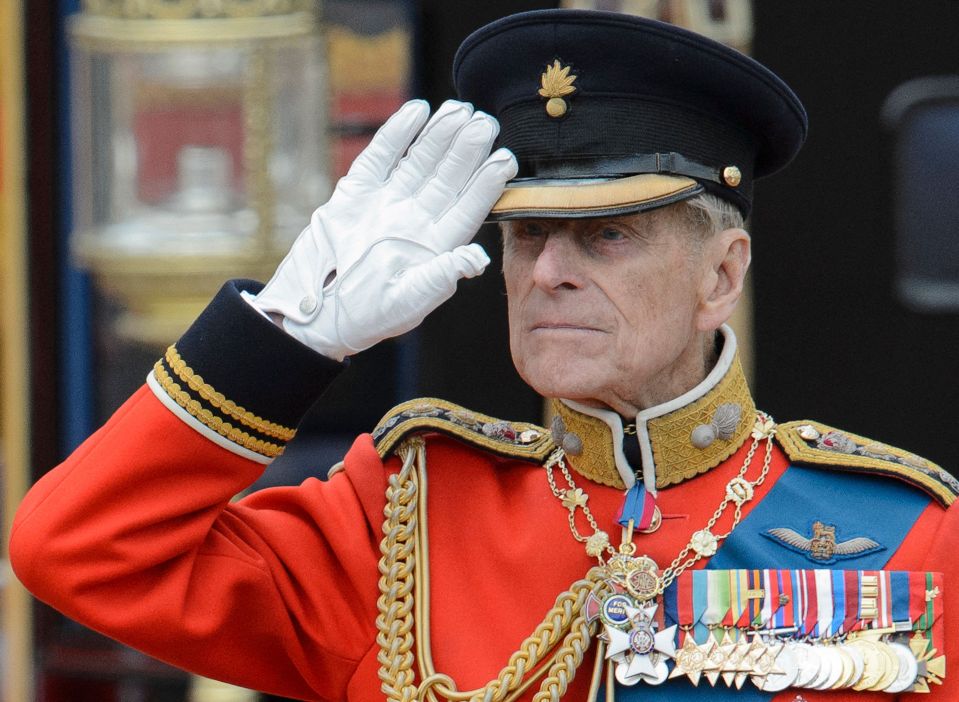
(785, 662)
(908, 668)
(808, 664)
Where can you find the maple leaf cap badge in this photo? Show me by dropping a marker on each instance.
(557, 83)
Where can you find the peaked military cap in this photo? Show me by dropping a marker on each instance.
(610, 113)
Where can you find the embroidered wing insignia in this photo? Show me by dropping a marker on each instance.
(791, 538)
(853, 547)
(822, 548)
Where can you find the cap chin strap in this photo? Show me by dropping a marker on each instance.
(567, 167)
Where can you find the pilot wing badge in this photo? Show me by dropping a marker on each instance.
(822, 547)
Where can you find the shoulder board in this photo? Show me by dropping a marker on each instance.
(813, 443)
(510, 439)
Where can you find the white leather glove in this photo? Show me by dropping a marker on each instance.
(392, 242)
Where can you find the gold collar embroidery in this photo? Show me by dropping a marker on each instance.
(666, 432)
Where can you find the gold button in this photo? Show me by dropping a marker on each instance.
(556, 107)
(732, 176)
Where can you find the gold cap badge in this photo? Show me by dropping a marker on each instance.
(557, 83)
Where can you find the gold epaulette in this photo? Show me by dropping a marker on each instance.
(510, 439)
(813, 443)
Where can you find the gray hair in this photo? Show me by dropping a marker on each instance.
(708, 214)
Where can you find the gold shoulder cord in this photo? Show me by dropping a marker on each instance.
(404, 609)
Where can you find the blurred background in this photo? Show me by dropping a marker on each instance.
(151, 149)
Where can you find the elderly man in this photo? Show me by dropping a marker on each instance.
(662, 539)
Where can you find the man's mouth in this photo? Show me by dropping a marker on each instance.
(563, 326)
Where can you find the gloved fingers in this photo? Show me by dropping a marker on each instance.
(423, 157)
(434, 281)
(469, 150)
(470, 260)
(461, 221)
(389, 144)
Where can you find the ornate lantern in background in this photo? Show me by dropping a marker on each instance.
(200, 148)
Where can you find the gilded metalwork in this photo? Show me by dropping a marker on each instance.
(210, 395)
(224, 429)
(557, 83)
(693, 660)
(643, 189)
(513, 439)
(732, 176)
(814, 443)
(553, 652)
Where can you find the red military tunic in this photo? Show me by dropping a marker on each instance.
(136, 535)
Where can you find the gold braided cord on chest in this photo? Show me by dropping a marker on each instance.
(552, 653)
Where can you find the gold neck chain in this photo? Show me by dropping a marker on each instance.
(553, 652)
(702, 544)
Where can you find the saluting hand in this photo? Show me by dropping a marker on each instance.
(392, 242)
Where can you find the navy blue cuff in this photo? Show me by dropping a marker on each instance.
(241, 375)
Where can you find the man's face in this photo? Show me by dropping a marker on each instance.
(603, 310)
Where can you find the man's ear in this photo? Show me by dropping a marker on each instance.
(726, 258)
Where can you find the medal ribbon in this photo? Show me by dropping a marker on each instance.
(771, 599)
(786, 616)
(717, 596)
(917, 599)
(638, 505)
(838, 601)
(670, 606)
(811, 614)
(742, 592)
(685, 600)
(851, 622)
(700, 604)
(868, 596)
(824, 603)
(885, 600)
(735, 601)
(938, 633)
(799, 600)
(754, 580)
(899, 586)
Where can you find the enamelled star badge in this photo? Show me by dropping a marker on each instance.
(636, 642)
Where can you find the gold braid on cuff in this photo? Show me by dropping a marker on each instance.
(210, 420)
(228, 407)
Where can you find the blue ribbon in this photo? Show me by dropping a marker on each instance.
(899, 584)
(838, 601)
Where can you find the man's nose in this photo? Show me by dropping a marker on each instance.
(557, 266)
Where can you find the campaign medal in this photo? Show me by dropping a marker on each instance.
(692, 660)
(908, 669)
(807, 663)
(781, 674)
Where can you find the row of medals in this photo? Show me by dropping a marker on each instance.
(640, 653)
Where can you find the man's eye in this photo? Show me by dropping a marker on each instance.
(533, 229)
(612, 234)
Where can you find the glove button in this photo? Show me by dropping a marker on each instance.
(308, 304)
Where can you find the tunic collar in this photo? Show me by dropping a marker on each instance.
(677, 440)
